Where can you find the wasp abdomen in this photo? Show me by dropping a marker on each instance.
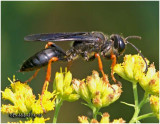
(41, 59)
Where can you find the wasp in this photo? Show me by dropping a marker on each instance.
(88, 45)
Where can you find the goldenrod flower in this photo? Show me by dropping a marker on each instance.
(154, 102)
(38, 120)
(47, 103)
(62, 85)
(23, 99)
(132, 69)
(95, 89)
(150, 81)
(94, 121)
(104, 119)
(116, 121)
(83, 119)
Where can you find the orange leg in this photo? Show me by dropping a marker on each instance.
(100, 65)
(49, 44)
(69, 65)
(113, 57)
(35, 74)
(48, 76)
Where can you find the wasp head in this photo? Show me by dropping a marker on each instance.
(118, 44)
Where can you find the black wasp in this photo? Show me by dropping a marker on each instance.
(88, 45)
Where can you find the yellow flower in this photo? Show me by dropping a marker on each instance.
(62, 85)
(24, 101)
(95, 89)
(20, 95)
(154, 102)
(9, 109)
(39, 120)
(150, 81)
(104, 119)
(132, 69)
(83, 119)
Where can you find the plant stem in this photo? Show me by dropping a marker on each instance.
(144, 100)
(145, 116)
(57, 108)
(136, 107)
(127, 104)
(95, 112)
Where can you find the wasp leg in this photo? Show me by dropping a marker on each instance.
(48, 44)
(48, 77)
(69, 65)
(33, 76)
(114, 60)
(100, 65)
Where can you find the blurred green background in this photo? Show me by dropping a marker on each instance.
(127, 18)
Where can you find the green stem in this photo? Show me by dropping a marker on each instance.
(57, 108)
(145, 116)
(144, 100)
(127, 104)
(136, 107)
(95, 112)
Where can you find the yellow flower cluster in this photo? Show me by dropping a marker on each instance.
(104, 119)
(132, 69)
(62, 85)
(95, 89)
(154, 102)
(24, 101)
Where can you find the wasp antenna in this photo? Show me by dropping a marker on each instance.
(140, 54)
(133, 37)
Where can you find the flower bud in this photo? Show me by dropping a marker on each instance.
(84, 92)
(67, 79)
(83, 119)
(91, 85)
(129, 66)
(62, 84)
(59, 82)
(8, 94)
(112, 93)
(94, 121)
(97, 100)
(154, 102)
(150, 81)
(105, 118)
(76, 84)
(73, 97)
(9, 109)
(116, 121)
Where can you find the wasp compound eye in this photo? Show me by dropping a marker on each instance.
(118, 43)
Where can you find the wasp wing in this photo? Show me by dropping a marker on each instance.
(75, 36)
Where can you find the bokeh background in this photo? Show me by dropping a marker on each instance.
(127, 18)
